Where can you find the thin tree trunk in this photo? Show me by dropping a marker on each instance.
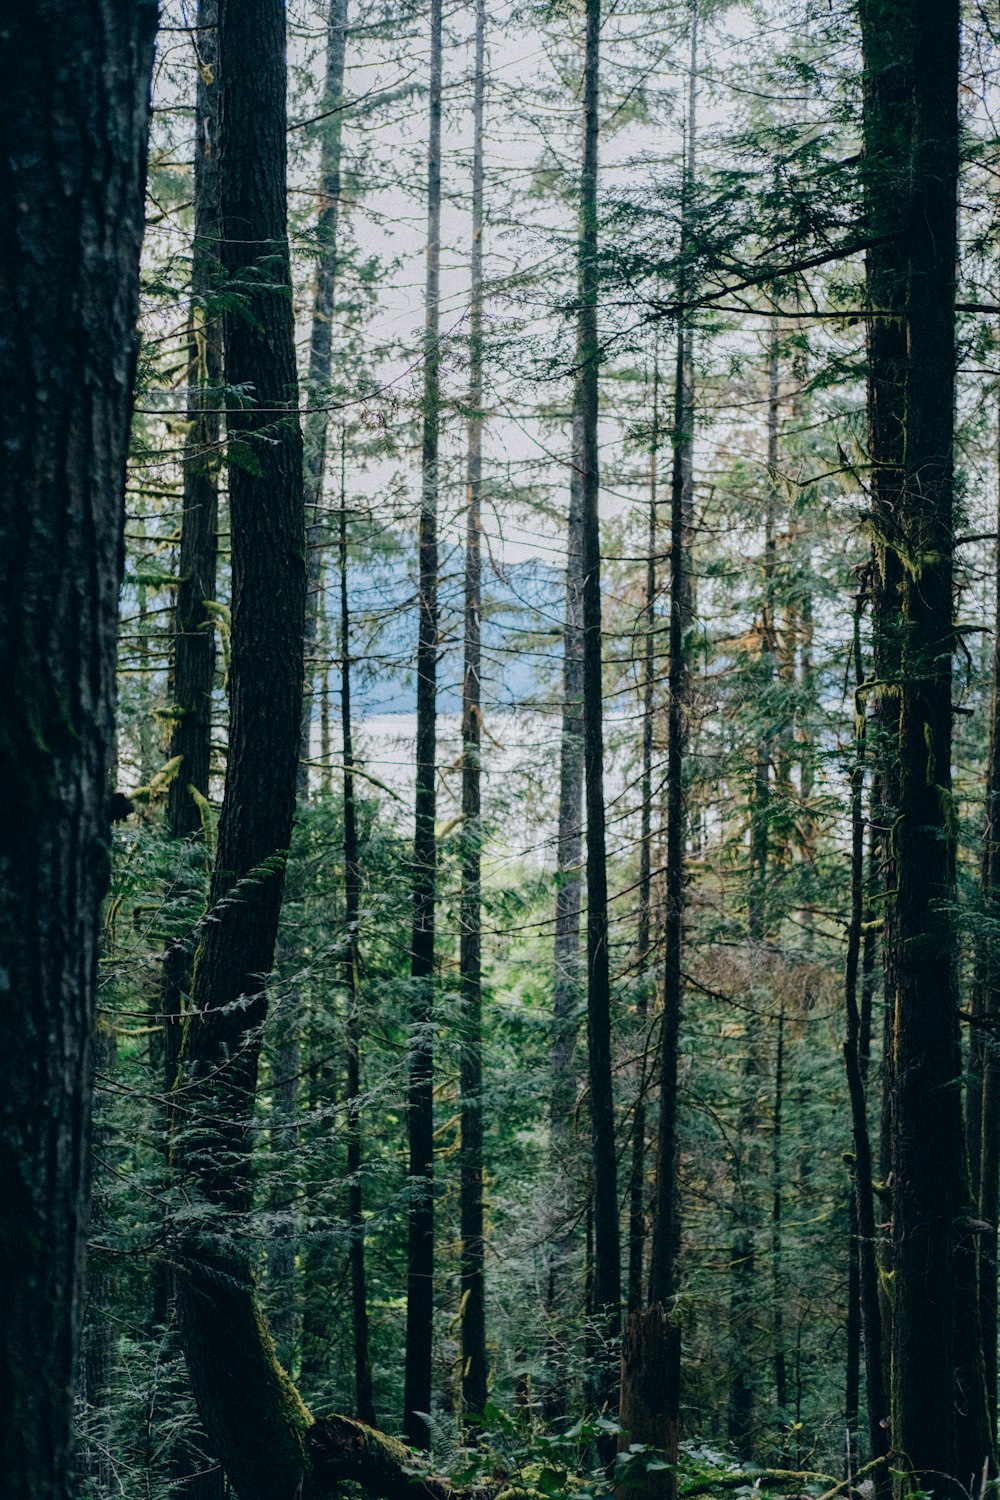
(417, 1388)
(744, 1248)
(364, 1396)
(75, 88)
(566, 987)
(856, 1047)
(472, 1273)
(666, 1219)
(637, 1185)
(321, 353)
(607, 1251)
(989, 1130)
(194, 645)
(777, 1268)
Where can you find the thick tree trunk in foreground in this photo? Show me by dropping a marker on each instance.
(417, 1386)
(74, 76)
(472, 1282)
(938, 1400)
(650, 1400)
(607, 1253)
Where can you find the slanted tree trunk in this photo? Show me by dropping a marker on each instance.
(607, 1252)
(472, 1283)
(74, 76)
(417, 1388)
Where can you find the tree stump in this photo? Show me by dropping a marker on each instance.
(650, 1399)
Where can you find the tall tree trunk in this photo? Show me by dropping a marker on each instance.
(744, 1247)
(777, 1246)
(637, 1185)
(417, 1389)
(321, 352)
(988, 1153)
(75, 83)
(607, 1251)
(364, 1396)
(287, 1047)
(666, 1219)
(566, 985)
(194, 635)
(472, 1276)
(938, 1399)
(251, 1412)
(856, 1048)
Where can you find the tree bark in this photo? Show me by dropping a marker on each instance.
(417, 1387)
(863, 1247)
(666, 1219)
(939, 1424)
(637, 1185)
(650, 1399)
(472, 1272)
(988, 1154)
(75, 84)
(607, 1253)
(251, 1412)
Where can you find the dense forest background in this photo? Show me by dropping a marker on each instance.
(547, 987)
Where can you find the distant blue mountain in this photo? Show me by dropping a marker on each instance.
(521, 632)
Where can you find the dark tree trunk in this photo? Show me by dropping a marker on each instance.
(194, 634)
(637, 1184)
(566, 986)
(856, 1047)
(666, 1218)
(777, 1267)
(321, 355)
(472, 1277)
(607, 1251)
(938, 1399)
(650, 1400)
(417, 1388)
(252, 1414)
(364, 1396)
(744, 1246)
(989, 1129)
(75, 84)
(287, 1046)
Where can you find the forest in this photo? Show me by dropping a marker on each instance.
(500, 747)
